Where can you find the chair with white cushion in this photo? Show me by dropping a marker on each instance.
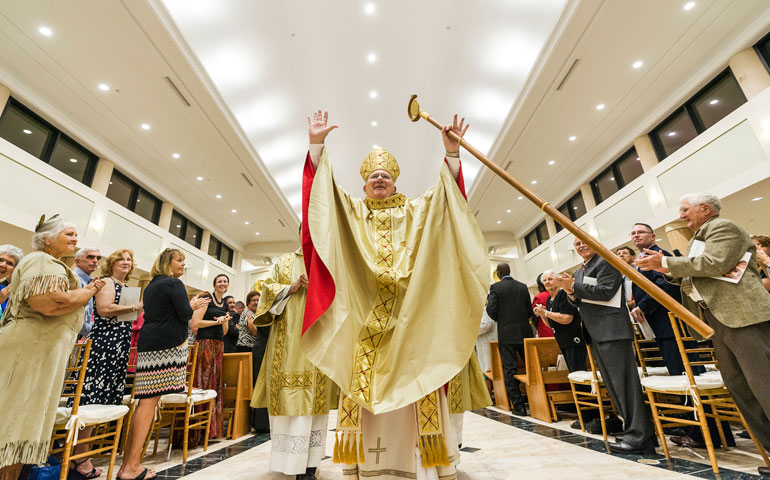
(108, 419)
(597, 397)
(707, 389)
(190, 410)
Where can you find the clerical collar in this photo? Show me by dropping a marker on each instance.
(396, 200)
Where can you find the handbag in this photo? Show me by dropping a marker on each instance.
(47, 471)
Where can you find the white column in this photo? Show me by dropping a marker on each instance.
(205, 240)
(588, 196)
(102, 176)
(646, 152)
(166, 210)
(5, 94)
(751, 74)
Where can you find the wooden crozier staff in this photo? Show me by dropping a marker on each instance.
(414, 112)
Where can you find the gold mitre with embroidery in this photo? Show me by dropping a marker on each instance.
(380, 159)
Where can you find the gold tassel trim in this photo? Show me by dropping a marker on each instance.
(336, 457)
(361, 448)
(348, 447)
(433, 451)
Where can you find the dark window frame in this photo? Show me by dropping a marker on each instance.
(536, 231)
(690, 113)
(56, 134)
(764, 59)
(613, 168)
(183, 229)
(570, 204)
(221, 246)
(132, 199)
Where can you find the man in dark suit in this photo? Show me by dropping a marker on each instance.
(510, 305)
(611, 337)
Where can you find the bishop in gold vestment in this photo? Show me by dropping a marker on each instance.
(395, 287)
(296, 394)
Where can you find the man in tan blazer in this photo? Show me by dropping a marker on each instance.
(739, 312)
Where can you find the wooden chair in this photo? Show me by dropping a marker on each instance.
(708, 389)
(498, 379)
(237, 392)
(539, 355)
(647, 353)
(107, 419)
(128, 397)
(597, 397)
(190, 410)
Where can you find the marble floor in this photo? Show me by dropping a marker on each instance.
(496, 445)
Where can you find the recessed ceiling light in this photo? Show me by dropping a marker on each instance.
(374, 124)
(146, 126)
(74, 160)
(27, 131)
(375, 146)
(551, 162)
(671, 134)
(637, 64)
(219, 196)
(508, 211)
(499, 222)
(175, 155)
(520, 197)
(45, 31)
(600, 106)
(756, 199)
(369, 8)
(104, 87)
(689, 6)
(200, 179)
(373, 94)
(245, 223)
(572, 138)
(714, 102)
(110, 182)
(371, 58)
(533, 182)
(234, 211)
(257, 233)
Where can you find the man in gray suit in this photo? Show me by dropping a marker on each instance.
(597, 290)
(739, 312)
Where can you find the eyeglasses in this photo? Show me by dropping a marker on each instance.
(383, 176)
(91, 257)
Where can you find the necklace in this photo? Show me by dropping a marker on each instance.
(218, 303)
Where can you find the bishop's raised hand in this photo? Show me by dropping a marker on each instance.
(318, 127)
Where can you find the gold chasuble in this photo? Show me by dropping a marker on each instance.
(288, 385)
(409, 280)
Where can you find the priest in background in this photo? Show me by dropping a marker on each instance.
(296, 394)
(395, 288)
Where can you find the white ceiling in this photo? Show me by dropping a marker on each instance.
(252, 72)
(276, 62)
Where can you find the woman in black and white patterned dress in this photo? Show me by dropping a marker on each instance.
(105, 378)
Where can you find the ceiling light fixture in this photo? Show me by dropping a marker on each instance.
(175, 155)
(499, 222)
(508, 211)
(245, 223)
(689, 6)
(520, 197)
(219, 196)
(714, 102)
(74, 160)
(27, 131)
(370, 9)
(373, 94)
(371, 58)
(756, 199)
(551, 162)
(200, 179)
(612, 178)
(533, 182)
(374, 124)
(375, 146)
(637, 64)
(258, 233)
(104, 87)
(572, 138)
(146, 126)
(600, 106)
(45, 31)
(234, 210)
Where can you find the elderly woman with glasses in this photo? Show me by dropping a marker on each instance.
(37, 332)
(10, 256)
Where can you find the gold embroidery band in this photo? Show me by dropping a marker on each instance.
(348, 439)
(276, 377)
(396, 200)
(430, 432)
(455, 395)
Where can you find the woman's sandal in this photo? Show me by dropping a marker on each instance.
(141, 476)
(92, 474)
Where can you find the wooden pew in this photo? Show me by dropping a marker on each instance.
(498, 379)
(540, 354)
(238, 388)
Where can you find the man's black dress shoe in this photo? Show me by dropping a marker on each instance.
(687, 442)
(645, 448)
(764, 471)
(519, 411)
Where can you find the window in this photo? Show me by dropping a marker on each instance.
(129, 194)
(712, 103)
(619, 174)
(536, 237)
(185, 229)
(220, 251)
(763, 49)
(23, 128)
(573, 209)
